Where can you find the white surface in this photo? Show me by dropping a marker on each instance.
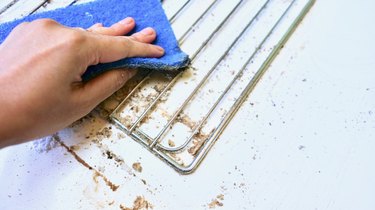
(304, 139)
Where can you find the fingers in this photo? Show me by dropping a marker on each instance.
(123, 27)
(120, 28)
(101, 87)
(147, 35)
(113, 48)
(110, 45)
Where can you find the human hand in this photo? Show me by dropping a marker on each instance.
(41, 64)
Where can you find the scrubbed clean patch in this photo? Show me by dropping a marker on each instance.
(145, 12)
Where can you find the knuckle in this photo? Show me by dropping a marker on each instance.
(75, 38)
(44, 22)
(135, 37)
(128, 45)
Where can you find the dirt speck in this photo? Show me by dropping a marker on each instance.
(171, 143)
(144, 181)
(216, 202)
(139, 203)
(106, 132)
(120, 135)
(137, 167)
(198, 141)
(186, 120)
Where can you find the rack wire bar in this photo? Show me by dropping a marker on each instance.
(200, 85)
(172, 18)
(180, 38)
(238, 75)
(201, 46)
(17, 8)
(143, 80)
(196, 138)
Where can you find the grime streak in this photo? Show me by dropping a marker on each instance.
(80, 160)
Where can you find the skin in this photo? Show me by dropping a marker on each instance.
(41, 64)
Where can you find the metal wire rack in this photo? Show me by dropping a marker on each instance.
(231, 43)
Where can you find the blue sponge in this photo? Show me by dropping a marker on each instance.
(145, 12)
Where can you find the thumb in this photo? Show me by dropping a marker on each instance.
(101, 87)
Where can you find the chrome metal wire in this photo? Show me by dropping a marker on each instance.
(154, 143)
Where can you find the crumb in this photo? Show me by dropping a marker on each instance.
(109, 154)
(215, 203)
(184, 119)
(198, 141)
(165, 114)
(141, 203)
(137, 166)
(135, 108)
(138, 204)
(176, 158)
(197, 144)
(120, 135)
(144, 181)
(171, 143)
(122, 207)
(220, 197)
(106, 132)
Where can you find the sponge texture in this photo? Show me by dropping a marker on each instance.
(147, 13)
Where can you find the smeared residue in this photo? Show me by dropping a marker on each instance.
(112, 186)
(139, 203)
(45, 144)
(109, 183)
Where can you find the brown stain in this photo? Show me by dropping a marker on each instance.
(137, 167)
(122, 207)
(112, 186)
(198, 141)
(105, 179)
(139, 203)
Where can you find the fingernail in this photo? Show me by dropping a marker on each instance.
(126, 21)
(159, 48)
(147, 31)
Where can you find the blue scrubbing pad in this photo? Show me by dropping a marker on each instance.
(147, 13)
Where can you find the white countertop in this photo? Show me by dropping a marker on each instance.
(304, 138)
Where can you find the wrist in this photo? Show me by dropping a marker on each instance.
(11, 114)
